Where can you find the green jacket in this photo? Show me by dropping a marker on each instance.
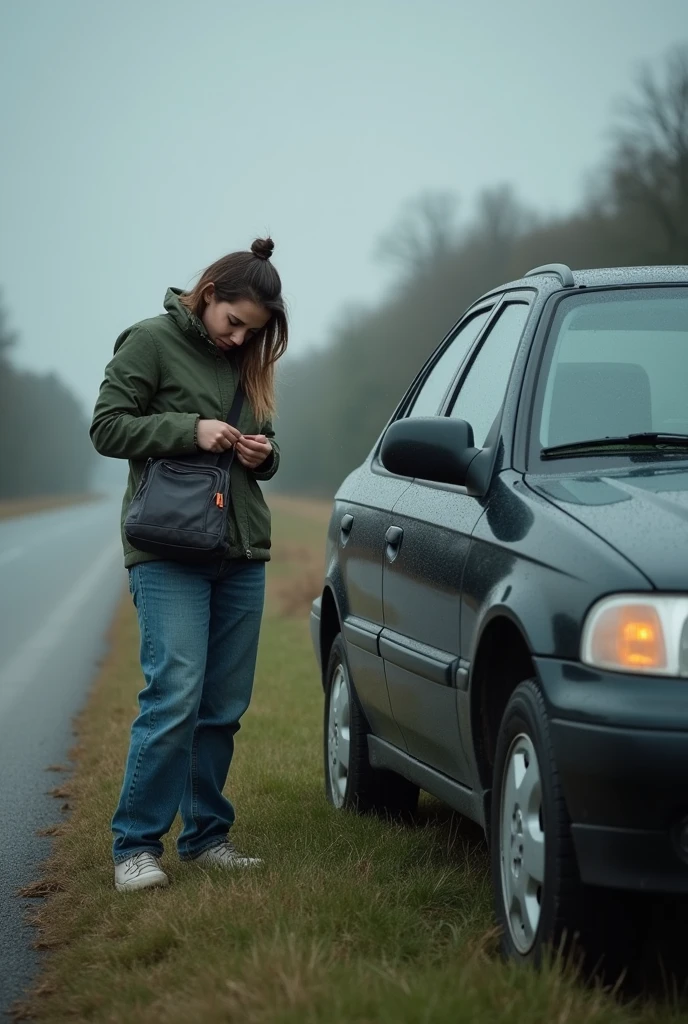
(165, 375)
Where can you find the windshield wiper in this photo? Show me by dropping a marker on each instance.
(649, 439)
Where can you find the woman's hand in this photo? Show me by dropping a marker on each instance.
(216, 435)
(252, 450)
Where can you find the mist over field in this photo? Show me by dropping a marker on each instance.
(404, 159)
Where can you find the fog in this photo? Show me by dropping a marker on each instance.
(141, 141)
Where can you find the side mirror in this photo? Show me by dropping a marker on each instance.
(434, 448)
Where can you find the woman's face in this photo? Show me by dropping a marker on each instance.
(231, 324)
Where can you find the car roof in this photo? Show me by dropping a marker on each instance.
(550, 280)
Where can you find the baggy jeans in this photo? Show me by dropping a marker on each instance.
(199, 629)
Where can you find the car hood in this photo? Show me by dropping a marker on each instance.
(642, 513)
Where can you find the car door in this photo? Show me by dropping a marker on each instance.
(425, 553)
(362, 517)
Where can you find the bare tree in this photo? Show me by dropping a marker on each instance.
(649, 173)
(7, 337)
(502, 217)
(423, 234)
(35, 459)
(343, 394)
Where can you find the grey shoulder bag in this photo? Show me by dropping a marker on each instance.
(180, 508)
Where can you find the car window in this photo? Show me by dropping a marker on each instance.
(434, 388)
(619, 366)
(482, 391)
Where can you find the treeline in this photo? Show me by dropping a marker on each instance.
(44, 444)
(333, 402)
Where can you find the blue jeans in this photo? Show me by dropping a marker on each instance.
(199, 630)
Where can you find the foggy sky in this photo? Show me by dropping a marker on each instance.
(142, 139)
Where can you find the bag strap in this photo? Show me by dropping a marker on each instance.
(237, 405)
(227, 458)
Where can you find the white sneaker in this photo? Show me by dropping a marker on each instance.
(225, 855)
(142, 871)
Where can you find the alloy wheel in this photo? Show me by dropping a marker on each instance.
(339, 735)
(522, 843)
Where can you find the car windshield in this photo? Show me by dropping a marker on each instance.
(618, 366)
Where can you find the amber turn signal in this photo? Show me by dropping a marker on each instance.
(631, 637)
(645, 633)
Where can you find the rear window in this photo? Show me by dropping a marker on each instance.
(618, 364)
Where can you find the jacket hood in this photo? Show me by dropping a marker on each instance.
(642, 513)
(185, 320)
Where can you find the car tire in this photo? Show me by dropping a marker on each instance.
(350, 781)
(533, 860)
(541, 904)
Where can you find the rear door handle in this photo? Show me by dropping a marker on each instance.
(346, 526)
(393, 539)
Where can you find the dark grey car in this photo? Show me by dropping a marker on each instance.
(504, 619)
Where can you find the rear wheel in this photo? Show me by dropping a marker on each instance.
(350, 782)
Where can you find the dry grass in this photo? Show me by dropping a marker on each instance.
(298, 554)
(351, 919)
(60, 792)
(311, 510)
(300, 581)
(12, 508)
(39, 889)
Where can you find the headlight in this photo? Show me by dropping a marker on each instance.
(633, 633)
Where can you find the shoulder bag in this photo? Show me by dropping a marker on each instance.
(180, 508)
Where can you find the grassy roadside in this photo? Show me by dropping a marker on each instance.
(351, 919)
(13, 507)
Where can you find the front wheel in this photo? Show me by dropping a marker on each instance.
(350, 781)
(540, 902)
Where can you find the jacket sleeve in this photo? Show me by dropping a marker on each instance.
(121, 428)
(267, 469)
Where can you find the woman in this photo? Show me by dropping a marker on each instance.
(167, 392)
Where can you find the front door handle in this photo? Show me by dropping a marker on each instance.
(393, 539)
(346, 526)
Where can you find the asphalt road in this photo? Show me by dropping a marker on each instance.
(61, 576)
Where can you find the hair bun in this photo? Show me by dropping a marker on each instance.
(263, 248)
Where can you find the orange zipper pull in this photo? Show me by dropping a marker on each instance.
(219, 500)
